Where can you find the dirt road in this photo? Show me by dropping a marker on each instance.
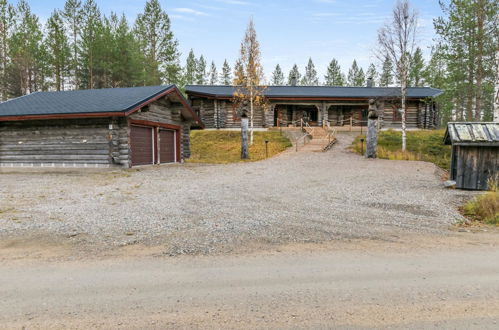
(356, 285)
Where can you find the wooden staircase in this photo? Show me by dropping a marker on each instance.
(322, 138)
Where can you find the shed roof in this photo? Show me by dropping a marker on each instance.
(317, 91)
(89, 103)
(467, 133)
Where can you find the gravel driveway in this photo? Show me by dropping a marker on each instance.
(294, 197)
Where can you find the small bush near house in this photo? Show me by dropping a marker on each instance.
(485, 208)
(221, 147)
(421, 145)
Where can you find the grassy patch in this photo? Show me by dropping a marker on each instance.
(421, 145)
(485, 208)
(221, 147)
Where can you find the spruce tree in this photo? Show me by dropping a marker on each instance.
(416, 68)
(59, 52)
(213, 74)
(190, 69)
(386, 77)
(334, 76)
(294, 76)
(201, 71)
(73, 18)
(226, 76)
(158, 44)
(310, 77)
(372, 73)
(277, 76)
(356, 76)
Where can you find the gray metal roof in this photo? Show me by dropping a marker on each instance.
(80, 101)
(468, 133)
(317, 91)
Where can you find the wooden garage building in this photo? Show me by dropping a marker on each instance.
(116, 127)
(475, 153)
(318, 105)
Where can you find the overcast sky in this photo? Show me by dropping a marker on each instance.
(290, 31)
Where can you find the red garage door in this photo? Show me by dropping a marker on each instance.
(166, 146)
(141, 140)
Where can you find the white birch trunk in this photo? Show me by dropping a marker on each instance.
(244, 138)
(496, 99)
(251, 116)
(403, 87)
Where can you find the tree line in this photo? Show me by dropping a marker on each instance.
(80, 48)
(381, 76)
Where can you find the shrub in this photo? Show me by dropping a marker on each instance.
(485, 207)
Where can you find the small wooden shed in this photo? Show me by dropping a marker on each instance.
(475, 153)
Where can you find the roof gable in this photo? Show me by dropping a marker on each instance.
(318, 91)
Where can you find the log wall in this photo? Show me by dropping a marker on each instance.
(57, 143)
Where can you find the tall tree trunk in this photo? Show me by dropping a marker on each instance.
(496, 98)
(244, 137)
(403, 90)
(479, 59)
(251, 116)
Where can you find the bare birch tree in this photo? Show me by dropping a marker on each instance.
(496, 95)
(249, 80)
(397, 40)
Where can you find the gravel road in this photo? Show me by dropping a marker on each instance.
(441, 288)
(303, 197)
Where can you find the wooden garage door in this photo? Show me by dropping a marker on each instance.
(166, 146)
(141, 140)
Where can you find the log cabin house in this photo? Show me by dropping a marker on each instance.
(317, 105)
(116, 127)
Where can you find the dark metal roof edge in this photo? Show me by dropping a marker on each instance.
(167, 88)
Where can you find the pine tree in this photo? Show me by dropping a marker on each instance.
(91, 27)
(158, 44)
(73, 18)
(386, 78)
(372, 73)
(356, 76)
(294, 76)
(334, 76)
(213, 74)
(277, 76)
(6, 23)
(310, 78)
(468, 36)
(59, 55)
(27, 68)
(201, 71)
(190, 69)
(122, 56)
(225, 76)
(416, 68)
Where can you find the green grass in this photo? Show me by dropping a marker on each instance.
(485, 208)
(421, 145)
(222, 147)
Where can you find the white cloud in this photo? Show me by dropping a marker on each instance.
(190, 11)
(234, 2)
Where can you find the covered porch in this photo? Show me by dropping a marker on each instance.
(333, 114)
